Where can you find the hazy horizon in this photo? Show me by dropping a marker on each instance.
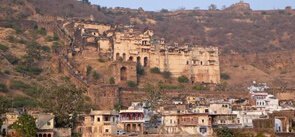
(156, 5)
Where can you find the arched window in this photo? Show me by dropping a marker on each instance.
(138, 60)
(145, 61)
(117, 56)
(123, 73)
(130, 58)
(49, 135)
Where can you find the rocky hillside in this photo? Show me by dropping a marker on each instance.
(254, 45)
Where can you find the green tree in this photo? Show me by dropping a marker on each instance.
(166, 74)
(224, 76)
(155, 70)
(183, 79)
(153, 94)
(95, 75)
(131, 84)
(3, 88)
(25, 126)
(212, 7)
(88, 70)
(112, 80)
(5, 103)
(224, 132)
(64, 100)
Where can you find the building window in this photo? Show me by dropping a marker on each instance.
(106, 130)
(203, 120)
(98, 119)
(48, 123)
(106, 118)
(203, 130)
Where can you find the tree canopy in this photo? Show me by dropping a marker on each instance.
(25, 126)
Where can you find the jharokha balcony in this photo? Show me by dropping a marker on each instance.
(132, 117)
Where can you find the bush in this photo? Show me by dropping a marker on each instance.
(200, 87)
(155, 70)
(31, 70)
(55, 37)
(224, 132)
(33, 91)
(24, 102)
(16, 84)
(45, 49)
(166, 74)
(224, 76)
(11, 59)
(3, 47)
(3, 88)
(41, 31)
(88, 70)
(95, 75)
(49, 38)
(131, 84)
(112, 80)
(102, 60)
(183, 79)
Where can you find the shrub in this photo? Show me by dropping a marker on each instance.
(88, 70)
(112, 80)
(224, 132)
(24, 102)
(200, 87)
(45, 49)
(55, 47)
(11, 59)
(102, 60)
(3, 88)
(166, 74)
(41, 31)
(16, 84)
(95, 75)
(3, 47)
(131, 84)
(32, 91)
(183, 79)
(31, 70)
(224, 76)
(155, 70)
(55, 37)
(49, 38)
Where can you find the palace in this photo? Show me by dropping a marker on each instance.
(126, 44)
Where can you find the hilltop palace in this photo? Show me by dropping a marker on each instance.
(127, 46)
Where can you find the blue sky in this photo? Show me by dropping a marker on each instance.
(156, 5)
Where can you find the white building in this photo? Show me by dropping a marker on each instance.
(245, 118)
(269, 103)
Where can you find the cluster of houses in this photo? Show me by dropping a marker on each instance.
(193, 116)
(189, 116)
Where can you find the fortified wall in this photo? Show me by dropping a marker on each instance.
(126, 44)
